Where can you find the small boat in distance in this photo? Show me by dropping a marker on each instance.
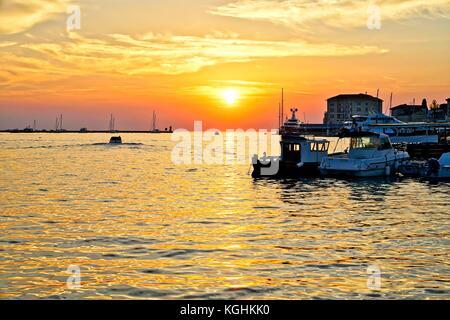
(300, 155)
(115, 140)
(370, 155)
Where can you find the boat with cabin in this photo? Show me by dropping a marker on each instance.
(115, 140)
(300, 155)
(369, 155)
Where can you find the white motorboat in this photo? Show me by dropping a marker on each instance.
(369, 155)
(432, 168)
(364, 123)
(399, 132)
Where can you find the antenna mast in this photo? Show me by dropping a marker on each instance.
(279, 115)
(390, 105)
(391, 101)
(282, 105)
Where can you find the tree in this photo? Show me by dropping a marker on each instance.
(434, 105)
(424, 104)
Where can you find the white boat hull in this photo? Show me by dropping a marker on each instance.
(362, 167)
(388, 170)
(414, 139)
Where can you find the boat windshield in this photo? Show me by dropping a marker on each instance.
(365, 142)
(375, 142)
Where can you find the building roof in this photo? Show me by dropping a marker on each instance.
(408, 106)
(353, 96)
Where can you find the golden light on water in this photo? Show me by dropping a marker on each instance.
(206, 231)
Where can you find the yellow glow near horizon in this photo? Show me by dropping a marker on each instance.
(230, 96)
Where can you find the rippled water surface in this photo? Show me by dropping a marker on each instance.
(141, 227)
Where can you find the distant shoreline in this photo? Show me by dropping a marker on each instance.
(84, 132)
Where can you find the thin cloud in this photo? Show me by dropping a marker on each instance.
(162, 54)
(306, 14)
(20, 15)
(246, 83)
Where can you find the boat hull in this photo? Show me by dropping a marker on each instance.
(286, 170)
(431, 169)
(356, 168)
(414, 139)
(359, 173)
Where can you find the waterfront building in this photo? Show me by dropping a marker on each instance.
(411, 112)
(342, 108)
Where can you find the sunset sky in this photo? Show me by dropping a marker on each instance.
(220, 61)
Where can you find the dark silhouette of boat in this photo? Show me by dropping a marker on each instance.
(115, 140)
(432, 168)
(300, 155)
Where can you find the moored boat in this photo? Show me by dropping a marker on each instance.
(399, 132)
(300, 155)
(369, 155)
(432, 168)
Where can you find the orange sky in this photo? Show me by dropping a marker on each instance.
(178, 57)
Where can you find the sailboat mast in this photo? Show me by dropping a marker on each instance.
(154, 121)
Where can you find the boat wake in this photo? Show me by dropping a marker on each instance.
(84, 145)
(115, 144)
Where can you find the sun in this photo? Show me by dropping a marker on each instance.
(230, 96)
